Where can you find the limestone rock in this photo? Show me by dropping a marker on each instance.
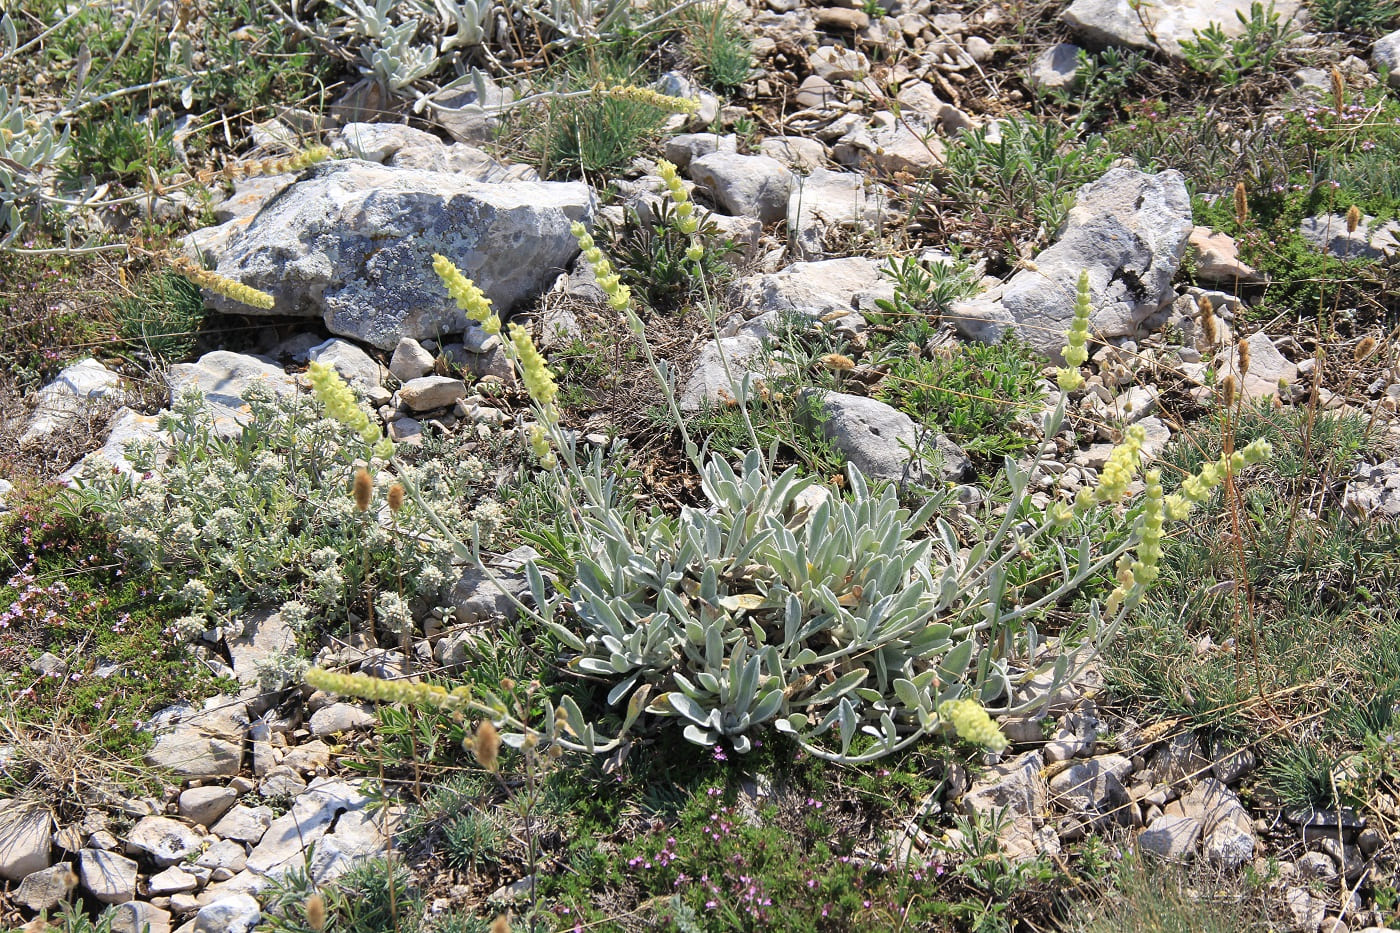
(1129, 230)
(73, 391)
(47, 888)
(1117, 23)
(796, 152)
(1217, 259)
(1267, 368)
(166, 841)
(354, 365)
(1375, 490)
(26, 839)
(903, 146)
(878, 439)
(826, 200)
(428, 392)
(341, 717)
(687, 147)
(1370, 240)
(140, 917)
(1385, 53)
(752, 186)
(1057, 67)
(111, 878)
(709, 384)
(410, 360)
(202, 745)
(1018, 789)
(1170, 837)
(244, 824)
(353, 242)
(310, 817)
(238, 913)
(224, 380)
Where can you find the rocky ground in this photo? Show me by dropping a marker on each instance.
(846, 145)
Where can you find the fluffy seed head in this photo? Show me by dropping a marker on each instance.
(1228, 389)
(501, 924)
(1241, 203)
(1353, 218)
(1365, 348)
(1242, 349)
(487, 747)
(1208, 327)
(838, 362)
(1339, 90)
(364, 489)
(315, 911)
(395, 497)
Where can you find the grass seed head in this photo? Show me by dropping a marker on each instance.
(364, 489)
(1242, 349)
(1353, 218)
(1241, 203)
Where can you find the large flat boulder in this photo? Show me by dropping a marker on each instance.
(353, 243)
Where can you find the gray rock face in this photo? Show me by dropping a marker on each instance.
(1115, 22)
(165, 841)
(753, 186)
(201, 745)
(353, 242)
(204, 805)
(238, 913)
(796, 152)
(111, 878)
(1370, 240)
(878, 439)
(1057, 67)
(73, 391)
(476, 598)
(26, 839)
(1129, 230)
(709, 383)
(47, 888)
(354, 365)
(1385, 53)
(826, 200)
(399, 146)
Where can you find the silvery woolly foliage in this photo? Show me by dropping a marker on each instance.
(824, 616)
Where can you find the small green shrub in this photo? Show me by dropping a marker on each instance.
(979, 395)
(161, 322)
(1024, 182)
(1232, 60)
(1368, 17)
(653, 251)
(715, 44)
(592, 134)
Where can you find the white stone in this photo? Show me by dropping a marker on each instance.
(76, 388)
(245, 824)
(238, 913)
(410, 360)
(1118, 23)
(341, 717)
(1385, 53)
(354, 365)
(26, 839)
(164, 840)
(111, 878)
(428, 392)
(751, 186)
(172, 881)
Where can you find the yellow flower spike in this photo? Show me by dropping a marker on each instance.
(1076, 351)
(1122, 464)
(972, 724)
(340, 404)
(223, 285)
(534, 372)
(463, 290)
(647, 96)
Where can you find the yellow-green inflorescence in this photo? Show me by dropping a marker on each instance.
(619, 295)
(379, 690)
(534, 371)
(1076, 351)
(223, 285)
(1197, 489)
(339, 401)
(686, 222)
(644, 95)
(468, 297)
(973, 724)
